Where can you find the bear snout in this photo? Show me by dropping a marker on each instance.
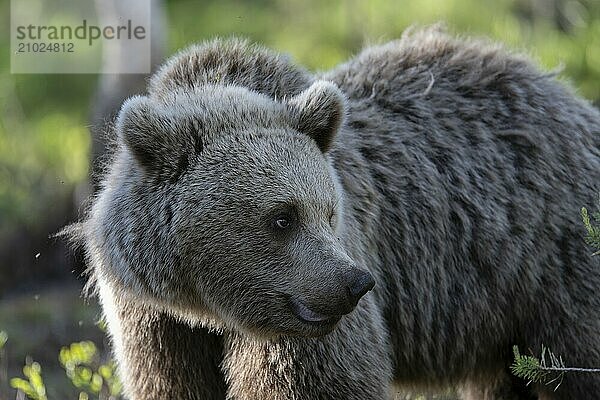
(359, 283)
(330, 307)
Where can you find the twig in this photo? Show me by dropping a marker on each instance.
(570, 369)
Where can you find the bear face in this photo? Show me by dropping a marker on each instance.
(241, 206)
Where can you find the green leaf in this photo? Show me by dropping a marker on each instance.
(105, 371)
(3, 339)
(33, 387)
(593, 232)
(20, 384)
(96, 383)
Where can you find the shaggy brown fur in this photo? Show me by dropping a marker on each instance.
(241, 211)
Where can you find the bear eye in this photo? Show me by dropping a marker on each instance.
(283, 221)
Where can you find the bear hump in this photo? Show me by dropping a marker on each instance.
(231, 61)
(430, 56)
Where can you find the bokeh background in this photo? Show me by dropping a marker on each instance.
(46, 145)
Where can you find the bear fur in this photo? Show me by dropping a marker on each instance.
(247, 199)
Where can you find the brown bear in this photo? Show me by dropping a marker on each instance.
(263, 232)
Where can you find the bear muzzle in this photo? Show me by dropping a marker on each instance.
(357, 283)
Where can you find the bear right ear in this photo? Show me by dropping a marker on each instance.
(154, 138)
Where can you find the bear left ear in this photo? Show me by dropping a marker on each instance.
(320, 112)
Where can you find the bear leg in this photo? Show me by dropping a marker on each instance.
(160, 357)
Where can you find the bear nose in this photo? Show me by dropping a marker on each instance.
(360, 282)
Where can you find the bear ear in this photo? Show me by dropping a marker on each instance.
(320, 112)
(154, 138)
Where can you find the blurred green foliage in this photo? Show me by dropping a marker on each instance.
(37, 325)
(33, 386)
(44, 141)
(83, 366)
(3, 339)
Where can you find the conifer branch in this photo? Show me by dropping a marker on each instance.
(548, 369)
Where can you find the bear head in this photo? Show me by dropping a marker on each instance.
(221, 205)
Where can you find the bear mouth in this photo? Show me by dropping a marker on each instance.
(306, 315)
